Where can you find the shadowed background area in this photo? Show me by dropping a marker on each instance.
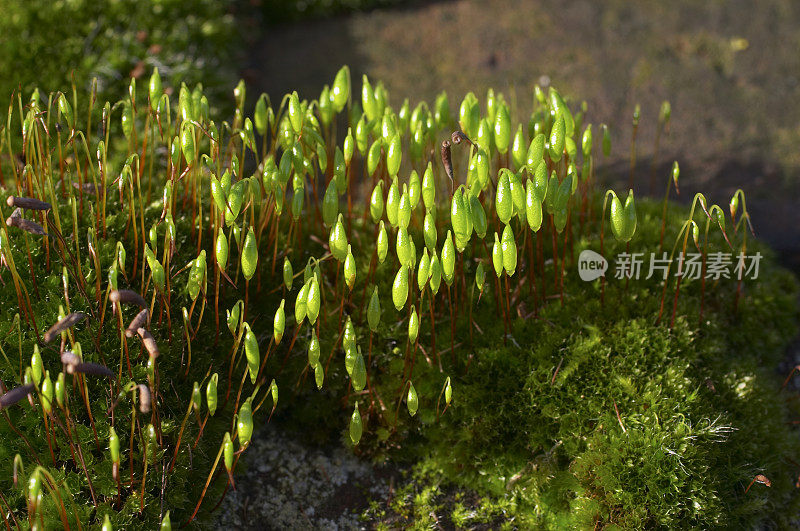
(729, 71)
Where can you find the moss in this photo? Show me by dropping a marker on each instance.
(700, 412)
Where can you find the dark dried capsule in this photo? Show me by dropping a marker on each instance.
(70, 359)
(15, 395)
(93, 369)
(137, 322)
(149, 342)
(65, 323)
(26, 225)
(457, 137)
(28, 203)
(144, 398)
(126, 296)
(447, 159)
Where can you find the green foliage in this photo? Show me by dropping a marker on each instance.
(560, 402)
(533, 427)
(44, 42)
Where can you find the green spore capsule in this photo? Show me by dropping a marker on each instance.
(288, 274)
(509, 249)
(244, 423)
(436, 273)
(412, 400)
(330, 204)
(414, 189)
(197, 276)
(393, 203)
(404, 209)
(340, 90)
(46, 393)
(373, 157)
(221, 251)
(313, 349)
(252, 352)
(227, 452)
(403, 246)
(349, 335)
(319, 375)
(394, 155)
(300, 304)
(279, 323)
(376, 202)
(36, 366)
(502, 128)
(60, 389)
(423, 270)
(349, 269)
(249, 254)
(497, 256)
(382, 243)
(374, 311)
(533, 207)
(448, 259)
(400, 288)
(355, 426)
(428, 188)
(313, 300)
(504, 203)
(413, 325)
(359, 375)
(197, 398)
(211, 394)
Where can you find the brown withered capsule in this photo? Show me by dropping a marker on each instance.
(26, 225)
(137, 322)
(457, 137)
(70, 360)
(15, 395)
(67, 322)
(760, 478)
(27, 203)
(126, 296)
(447, 160)
(144, 398)
(149, 342)
(93, 369)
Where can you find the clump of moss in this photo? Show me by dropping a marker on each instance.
(534, 427)
(573, 398)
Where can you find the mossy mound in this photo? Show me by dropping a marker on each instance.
(532, 437)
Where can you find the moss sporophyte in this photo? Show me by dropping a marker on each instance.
(119, 383)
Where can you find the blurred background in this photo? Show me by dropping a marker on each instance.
(730, 69)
